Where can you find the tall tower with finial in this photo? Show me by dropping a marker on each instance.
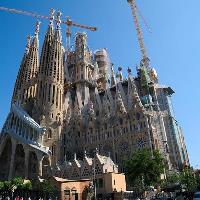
(49, 106)
(83, 70)
(20, 76)
(25, 87)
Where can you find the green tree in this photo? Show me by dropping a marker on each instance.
(144, 168)
(188, 180)
(1, 185)
(198, 183)
(7, 185)
(46, 186)
(27, 185)
(17, 182)
(172, 178)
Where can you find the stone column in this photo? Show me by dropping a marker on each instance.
(12, 159)
(40, 158)
(26, 150)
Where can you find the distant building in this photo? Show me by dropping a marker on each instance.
(177, 149)
(79, 176)
(67, 102)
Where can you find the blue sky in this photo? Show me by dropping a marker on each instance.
(173, 47)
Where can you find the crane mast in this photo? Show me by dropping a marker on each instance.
(134, 10)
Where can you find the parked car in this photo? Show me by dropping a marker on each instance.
(196, 196)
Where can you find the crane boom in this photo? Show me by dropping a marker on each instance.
(138, 28)
(68, 22)
(22, 12)
(92, 28)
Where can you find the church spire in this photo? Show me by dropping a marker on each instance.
(57, 35)
(35, 42)
(26, 82)
(50, 88)
(33, 57)
(20, 76)
(47, 45)
(133, 96)
(28, 44)
(120, 108)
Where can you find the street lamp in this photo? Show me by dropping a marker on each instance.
(94, 174)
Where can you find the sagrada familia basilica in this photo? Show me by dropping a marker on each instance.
(68, 104)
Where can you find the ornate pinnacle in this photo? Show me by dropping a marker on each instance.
(75, 156)
(112, 70)
(58, 20)
(120, 68)
(85, 154)
(96, 151)
(52, 11)
(129, 70)
(37, 28)
(129, 1)
(28, 43)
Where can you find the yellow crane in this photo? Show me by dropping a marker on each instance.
(68, 21)
(135, 12)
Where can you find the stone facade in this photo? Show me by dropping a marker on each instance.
(72, 101)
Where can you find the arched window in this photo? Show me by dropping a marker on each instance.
(53, 150)
(49, 135)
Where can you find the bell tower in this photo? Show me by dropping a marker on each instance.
(50, 92)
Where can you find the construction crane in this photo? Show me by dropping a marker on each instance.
(68, 21)
(134, 9)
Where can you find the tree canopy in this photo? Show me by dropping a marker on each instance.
(15, 183)
(144, 168)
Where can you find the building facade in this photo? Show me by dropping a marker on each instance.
(72, 101)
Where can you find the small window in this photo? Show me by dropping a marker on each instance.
(53, 150)
(114, 181)
(49, 134)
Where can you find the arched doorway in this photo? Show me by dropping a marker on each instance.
(5, 159)
(46, 169)
(32, 165)
(19, 164)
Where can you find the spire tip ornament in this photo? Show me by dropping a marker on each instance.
(28, 44)
(58, 20)
(37, 28)
(129, 70)
(52, 12)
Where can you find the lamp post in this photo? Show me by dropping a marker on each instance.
(94, 174)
